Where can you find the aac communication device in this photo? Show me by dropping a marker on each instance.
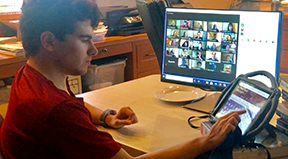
(259, 101)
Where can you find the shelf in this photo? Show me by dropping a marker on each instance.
(10, 15)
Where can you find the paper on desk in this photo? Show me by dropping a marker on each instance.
(205, 105)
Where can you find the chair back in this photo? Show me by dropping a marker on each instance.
(152, 14)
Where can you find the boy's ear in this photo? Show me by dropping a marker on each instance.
(48, 40)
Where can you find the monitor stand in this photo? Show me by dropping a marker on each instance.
(205, 105)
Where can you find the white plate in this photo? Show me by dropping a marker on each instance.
(180, 94)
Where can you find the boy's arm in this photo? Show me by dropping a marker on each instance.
(125, 116)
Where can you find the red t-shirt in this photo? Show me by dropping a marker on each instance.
(45, 122)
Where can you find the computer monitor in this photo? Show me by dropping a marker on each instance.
(209, 48)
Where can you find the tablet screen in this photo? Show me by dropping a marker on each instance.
(244, 96)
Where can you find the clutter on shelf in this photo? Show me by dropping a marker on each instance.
(100, 32)
(11, 46)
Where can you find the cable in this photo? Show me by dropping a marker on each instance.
(194, 118)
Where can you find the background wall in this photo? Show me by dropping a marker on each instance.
(130, 3)
(216, 4)
(195, 3)
(220, 4)
(225, 4)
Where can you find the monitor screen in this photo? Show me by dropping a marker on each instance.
(209, 48)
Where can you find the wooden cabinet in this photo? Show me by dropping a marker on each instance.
(113, 50)
(141, 59)
(145, 59)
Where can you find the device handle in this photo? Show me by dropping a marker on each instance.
(273, 103)
(264, 73)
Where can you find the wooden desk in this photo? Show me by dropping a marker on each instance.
(141, 59)
(161, 124)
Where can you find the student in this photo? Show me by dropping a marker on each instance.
(227, 69)
(185, 24)
(184, 35)
(199, 45)
(173, 43)
(174, 35)
(212, 66)
(214, 47)
(45, 119)
(172, 53)
(199, 56)
(185, 44)
(229, 38)
(229, 59)
(183, 63)
(173, 25)
(230, 28)
(214, 28)
(214, 39)
(213, 58)
(229, 49)
(199, 65)
(198, 36)
(185, 54)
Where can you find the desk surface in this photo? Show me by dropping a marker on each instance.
(161, 124)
